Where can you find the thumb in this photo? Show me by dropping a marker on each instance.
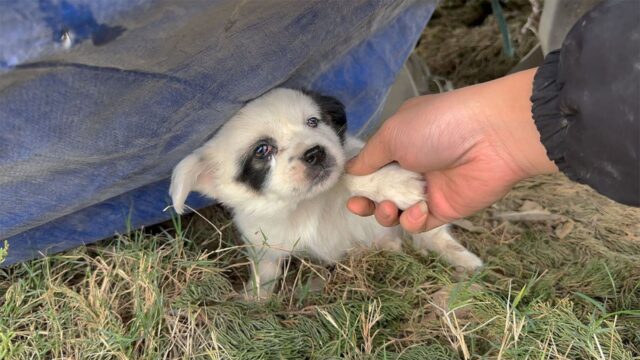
(373, 156)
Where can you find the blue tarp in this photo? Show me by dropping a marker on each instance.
(99, 99)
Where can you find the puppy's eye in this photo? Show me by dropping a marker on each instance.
(262, 151)
(312, 122)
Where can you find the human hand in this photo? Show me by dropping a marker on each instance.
(472, 145)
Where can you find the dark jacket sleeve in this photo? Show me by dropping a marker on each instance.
(586, 101)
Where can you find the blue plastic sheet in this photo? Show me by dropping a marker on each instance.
(100, 99)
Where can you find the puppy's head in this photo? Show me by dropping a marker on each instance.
(283, 146)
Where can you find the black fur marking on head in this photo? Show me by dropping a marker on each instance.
(253, 170)
(333, 112)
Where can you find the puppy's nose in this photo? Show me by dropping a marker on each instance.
(314, 156)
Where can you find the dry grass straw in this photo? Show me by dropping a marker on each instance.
(175, 292)
(463, 42)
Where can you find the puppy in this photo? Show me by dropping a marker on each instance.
(279, 165)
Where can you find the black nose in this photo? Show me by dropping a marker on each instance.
(314, 156)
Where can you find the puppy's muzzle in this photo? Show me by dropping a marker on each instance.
(319, 164)
(315, 156)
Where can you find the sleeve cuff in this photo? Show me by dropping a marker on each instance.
(552, 123)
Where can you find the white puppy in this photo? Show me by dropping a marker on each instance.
(278, 164)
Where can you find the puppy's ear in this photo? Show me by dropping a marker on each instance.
(191, 174)
(333, 112)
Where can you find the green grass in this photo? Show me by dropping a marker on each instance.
(175, 293)
(4, 251)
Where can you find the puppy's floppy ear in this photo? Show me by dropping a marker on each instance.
(191, 174)
(333, 112)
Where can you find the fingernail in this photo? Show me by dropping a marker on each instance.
(385, 214)
(418, 213)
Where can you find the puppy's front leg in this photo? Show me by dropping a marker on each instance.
(266, 267)
(402, 187)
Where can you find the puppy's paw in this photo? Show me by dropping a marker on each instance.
(442, 242)
(390, 242)
(402, 187)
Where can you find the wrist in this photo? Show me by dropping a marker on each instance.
(509, 120)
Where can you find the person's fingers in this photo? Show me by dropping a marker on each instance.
(387, 214)
(414, 219)
(361, 206)
(433, 222)
(374, 155)
(417, 219)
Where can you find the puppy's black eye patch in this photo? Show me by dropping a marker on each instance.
(254, 165)
(333, 112)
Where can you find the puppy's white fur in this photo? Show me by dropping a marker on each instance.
(293, 212)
